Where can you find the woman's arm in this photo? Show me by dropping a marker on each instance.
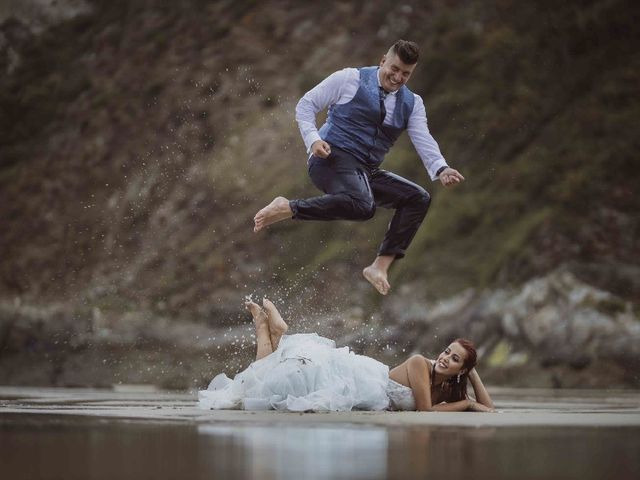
(482, 396)
(459, 406)
(419, 376)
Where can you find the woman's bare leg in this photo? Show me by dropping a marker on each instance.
(277, 325)
(263, 335)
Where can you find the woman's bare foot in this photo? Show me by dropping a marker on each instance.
(276, 211)
(277, 325)
(263, 335)
(377, 278)
(260, 317)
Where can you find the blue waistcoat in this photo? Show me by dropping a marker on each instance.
(356, 126)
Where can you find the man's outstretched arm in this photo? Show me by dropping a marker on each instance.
(428, 148)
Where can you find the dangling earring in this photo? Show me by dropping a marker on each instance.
(458, 378)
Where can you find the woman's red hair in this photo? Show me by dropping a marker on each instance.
(472, 355)
(458, 389)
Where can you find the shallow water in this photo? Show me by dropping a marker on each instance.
(48, 447)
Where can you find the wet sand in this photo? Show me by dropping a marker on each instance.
(516, 407)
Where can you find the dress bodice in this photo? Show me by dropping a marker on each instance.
(400, 396)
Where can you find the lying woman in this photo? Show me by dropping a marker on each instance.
(306, 372)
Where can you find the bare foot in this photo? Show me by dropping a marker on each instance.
(277, 325)
(377, 278)
(260, 317)
(276, 211)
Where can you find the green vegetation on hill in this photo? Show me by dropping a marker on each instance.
(138, 142)
(536, 109)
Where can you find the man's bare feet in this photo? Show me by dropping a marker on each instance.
(260, 317)
(277, 325)
(377, 278)
(276, 211)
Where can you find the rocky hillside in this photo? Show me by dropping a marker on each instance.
(139, 138)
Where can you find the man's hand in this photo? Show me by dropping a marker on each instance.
(449, 177)
(321, 149)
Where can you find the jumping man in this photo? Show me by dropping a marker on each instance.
(369, 108)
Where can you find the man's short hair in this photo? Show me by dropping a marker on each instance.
(406, 51)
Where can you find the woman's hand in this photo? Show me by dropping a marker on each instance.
(478, 407)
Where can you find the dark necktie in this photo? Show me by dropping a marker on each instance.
(383, 110)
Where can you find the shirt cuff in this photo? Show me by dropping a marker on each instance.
(436, 169)
(310, 139)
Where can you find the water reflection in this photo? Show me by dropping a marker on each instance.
(47, 447)
(401, 453)
(317, 452)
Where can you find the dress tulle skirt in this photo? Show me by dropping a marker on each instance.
(306, 373)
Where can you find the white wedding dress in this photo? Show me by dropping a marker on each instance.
(308, 373)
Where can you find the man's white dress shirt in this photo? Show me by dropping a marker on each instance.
(339, 88)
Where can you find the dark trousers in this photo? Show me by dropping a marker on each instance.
(353, 190)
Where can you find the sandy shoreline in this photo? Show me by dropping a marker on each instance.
(517, 407)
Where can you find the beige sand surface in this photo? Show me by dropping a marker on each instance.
(516, 407)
